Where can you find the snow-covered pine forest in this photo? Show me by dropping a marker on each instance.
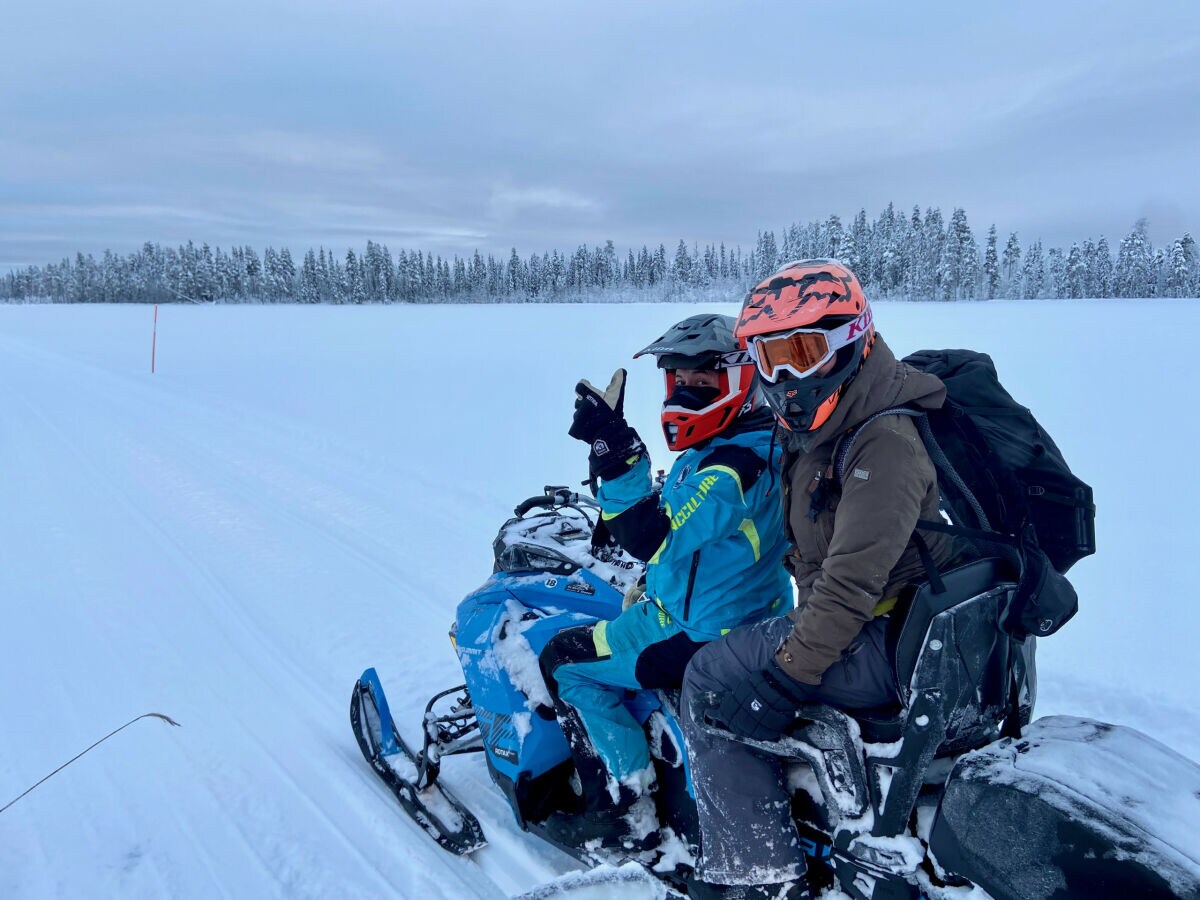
(920, 257)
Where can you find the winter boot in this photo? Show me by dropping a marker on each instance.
(629, 824)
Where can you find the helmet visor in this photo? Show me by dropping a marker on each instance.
(802, 351)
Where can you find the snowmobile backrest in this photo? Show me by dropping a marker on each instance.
(955, 667)
(961, 584)
(952, 662)
(909, 632)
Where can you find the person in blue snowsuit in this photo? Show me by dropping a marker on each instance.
(713, 542)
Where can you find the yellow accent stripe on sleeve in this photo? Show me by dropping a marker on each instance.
(654, 559)
(883, 607)
(732, 473)
(600, 639)
(607, 516)
(747, 528)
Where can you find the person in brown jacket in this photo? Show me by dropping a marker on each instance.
(826, 374)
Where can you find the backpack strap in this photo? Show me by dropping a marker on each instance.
(945, 469)
(940, 461)
(943, 464)
(936, 584)
(972, 534)
(841, 452)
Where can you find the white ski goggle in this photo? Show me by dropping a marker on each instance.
(802, 351)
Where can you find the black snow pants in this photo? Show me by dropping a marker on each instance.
(746, 831)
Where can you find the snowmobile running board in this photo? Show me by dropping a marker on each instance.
(436, 810)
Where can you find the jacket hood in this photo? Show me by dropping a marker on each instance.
(882, 382)
(761, 419)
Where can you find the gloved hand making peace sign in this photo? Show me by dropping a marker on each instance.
(600, 423)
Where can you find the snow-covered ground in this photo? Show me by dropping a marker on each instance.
(299, 493)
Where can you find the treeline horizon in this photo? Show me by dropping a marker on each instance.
(896, 256)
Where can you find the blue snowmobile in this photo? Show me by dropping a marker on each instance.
(952, 789)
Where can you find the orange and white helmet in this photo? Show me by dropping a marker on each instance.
(808, 329)
(694, 414)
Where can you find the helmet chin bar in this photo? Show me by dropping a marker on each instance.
(799, 411)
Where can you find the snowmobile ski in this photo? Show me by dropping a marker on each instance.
(411, 777)
(628, 880)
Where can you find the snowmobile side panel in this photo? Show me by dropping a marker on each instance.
(1075, 808)
(499, 631)
(432, 807)
(581, 593)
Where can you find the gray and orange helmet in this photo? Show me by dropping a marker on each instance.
(704, 341)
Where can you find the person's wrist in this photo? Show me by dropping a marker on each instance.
(785, 685)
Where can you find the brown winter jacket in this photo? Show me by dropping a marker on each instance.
(856, 553)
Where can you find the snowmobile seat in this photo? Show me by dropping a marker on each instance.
(881, 724)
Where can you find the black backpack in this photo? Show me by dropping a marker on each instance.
(1003, 482)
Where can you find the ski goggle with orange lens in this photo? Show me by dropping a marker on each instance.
(802, 351)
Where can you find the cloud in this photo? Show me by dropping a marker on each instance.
(507, 202)
(126, 211)
(305, 150)
(454, 126)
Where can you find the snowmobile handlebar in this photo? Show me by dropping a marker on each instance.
(553, 497)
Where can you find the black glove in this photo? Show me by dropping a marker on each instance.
(763, 706)
(600, 422)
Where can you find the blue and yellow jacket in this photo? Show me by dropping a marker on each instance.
(714, 540)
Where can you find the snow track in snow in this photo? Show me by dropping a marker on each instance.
(169, 543)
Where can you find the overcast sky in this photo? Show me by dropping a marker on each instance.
(450, 126)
